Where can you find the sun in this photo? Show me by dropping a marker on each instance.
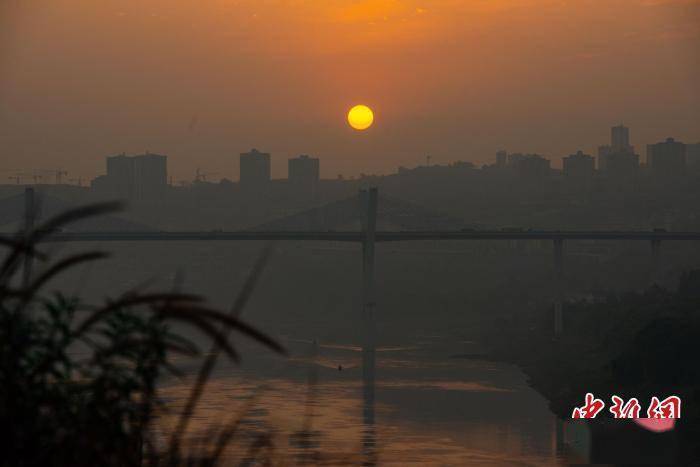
(360, 117)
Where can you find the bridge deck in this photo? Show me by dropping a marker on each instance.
(355, 236)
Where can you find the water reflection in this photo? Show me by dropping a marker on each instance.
(416, 407)
(369, 432)
(410, 408)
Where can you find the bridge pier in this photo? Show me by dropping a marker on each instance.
(655, 261)
(29, 215)
(368, 204)
(559, 287)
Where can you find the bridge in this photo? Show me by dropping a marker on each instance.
(321, 222)
(380, 236)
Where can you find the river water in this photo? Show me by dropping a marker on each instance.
(429, 403)
(420, 410)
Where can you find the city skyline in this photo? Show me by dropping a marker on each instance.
(620, 141)
(365, 232)
(453, 80)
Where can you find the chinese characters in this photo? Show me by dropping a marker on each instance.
(669, 407)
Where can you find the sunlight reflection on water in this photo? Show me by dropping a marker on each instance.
(429, 409)
(427, 412)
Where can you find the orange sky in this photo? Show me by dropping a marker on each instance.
(456, 79)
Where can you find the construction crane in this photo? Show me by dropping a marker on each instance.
(16, 176)
(202, 176)
(57, 173)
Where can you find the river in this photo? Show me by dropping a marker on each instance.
(421, 409)
(428, 404)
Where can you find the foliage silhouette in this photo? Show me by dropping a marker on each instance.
(79, 384)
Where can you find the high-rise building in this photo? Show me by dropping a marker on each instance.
(692, 155)
(667, 158)
(529, 165)
(579, 165)
(304, 173)
(255, 169)
(620, 150)
(140, 177)
(650, 150)
(501, 159)
(620, 139)
(622, 165)
(603, 153)
(119, 181)
(150, 176)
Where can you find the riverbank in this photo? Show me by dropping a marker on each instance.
(638, 345)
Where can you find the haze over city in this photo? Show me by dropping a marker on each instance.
(457, 80)
(349, 232)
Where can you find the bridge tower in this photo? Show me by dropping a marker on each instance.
(559, 287)
(368, 211)
(654, 277)
(29, 216)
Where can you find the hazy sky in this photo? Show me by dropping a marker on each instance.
(201, 81)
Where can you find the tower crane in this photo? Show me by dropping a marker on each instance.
(16, 176)
(57, 173)
(202, 176)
